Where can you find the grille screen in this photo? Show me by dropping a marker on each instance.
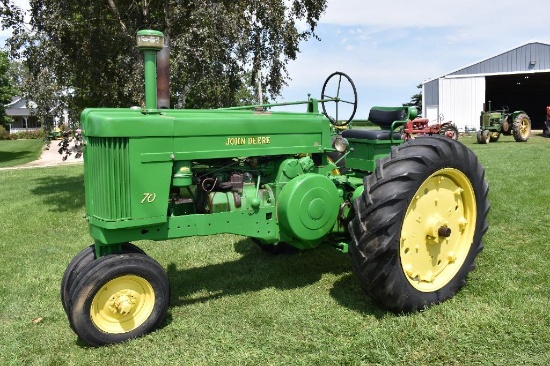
(108, 178)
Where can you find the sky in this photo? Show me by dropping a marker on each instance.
(389, 47)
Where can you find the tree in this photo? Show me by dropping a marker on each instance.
(84, 50)
(7, 90)
(416, 99)
(18, 75)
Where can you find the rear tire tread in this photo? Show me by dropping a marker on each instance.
(376, 228)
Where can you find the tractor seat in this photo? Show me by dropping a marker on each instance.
(384, 119)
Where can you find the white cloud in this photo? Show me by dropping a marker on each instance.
(432, 13)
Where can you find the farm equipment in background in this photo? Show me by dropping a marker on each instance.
(494, 123)
(56, 133)
(546, 124)
(411, 214)
(424, 127)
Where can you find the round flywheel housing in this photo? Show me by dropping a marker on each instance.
(307, 207)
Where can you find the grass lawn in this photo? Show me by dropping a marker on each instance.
(17, 152)
(233, 304)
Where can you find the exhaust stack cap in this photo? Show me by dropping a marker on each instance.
(150, 40)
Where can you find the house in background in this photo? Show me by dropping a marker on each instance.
(21, 115)
(21, 112)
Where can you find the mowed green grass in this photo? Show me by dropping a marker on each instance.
(18, 152)
(233, 304)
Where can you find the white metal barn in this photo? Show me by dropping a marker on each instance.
(518, 78)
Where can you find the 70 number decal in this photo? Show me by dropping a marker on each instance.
(148, 197)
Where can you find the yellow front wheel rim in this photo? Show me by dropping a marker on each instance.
(438, 230)
(122, 304)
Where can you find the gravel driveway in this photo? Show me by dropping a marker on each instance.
(50, 157)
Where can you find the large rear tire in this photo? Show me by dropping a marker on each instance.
(118, 297)
(521, 128)
(419, 224)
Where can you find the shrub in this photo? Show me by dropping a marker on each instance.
(34, 135)
(4, 135)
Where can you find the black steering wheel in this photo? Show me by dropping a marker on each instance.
(344, 93)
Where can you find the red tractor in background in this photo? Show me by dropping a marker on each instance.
(546, 124)
(423, 126)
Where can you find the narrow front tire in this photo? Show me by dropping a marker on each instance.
(119, 297)
(81, 260)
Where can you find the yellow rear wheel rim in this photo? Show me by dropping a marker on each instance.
(524, 127)
(438, 230)
(122, 304)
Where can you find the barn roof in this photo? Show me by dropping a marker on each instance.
(533, 56)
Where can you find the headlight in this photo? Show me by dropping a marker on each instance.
(340, 144)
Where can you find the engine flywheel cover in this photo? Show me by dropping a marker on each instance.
(308, 206)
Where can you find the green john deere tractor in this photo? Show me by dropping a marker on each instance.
(412, 214)
(494, 123)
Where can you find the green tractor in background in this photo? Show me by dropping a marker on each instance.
(411, 214)
(494, 123)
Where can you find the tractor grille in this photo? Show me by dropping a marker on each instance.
(108, 178)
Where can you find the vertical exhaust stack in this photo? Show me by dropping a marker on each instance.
(163, 76)
(150, 42)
